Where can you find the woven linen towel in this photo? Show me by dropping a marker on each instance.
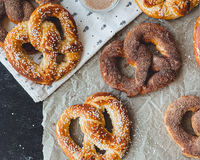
(94, 31)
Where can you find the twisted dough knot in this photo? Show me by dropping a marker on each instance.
(173, 117)
(45, 37)
(92, 124)
(166, 9)
(196, 40)
(17, 11)
(163, 69)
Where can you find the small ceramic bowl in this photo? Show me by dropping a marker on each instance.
(109, 8)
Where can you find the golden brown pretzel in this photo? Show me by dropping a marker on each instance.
(166, 9)
(173, 116)
(44, 37)
(164, 68)
(196, 40)
(92, 124)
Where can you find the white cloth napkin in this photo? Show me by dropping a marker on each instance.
(94, 31)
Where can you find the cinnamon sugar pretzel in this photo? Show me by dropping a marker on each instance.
(152, 72)
(45, 37)
(190, 144)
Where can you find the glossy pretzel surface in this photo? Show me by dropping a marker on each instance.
(45, 37)
(166, 9)
(92, 124)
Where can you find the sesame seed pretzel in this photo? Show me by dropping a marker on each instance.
(92, 124)
(196, 40)
(166, 9)
(152, 72)
(45, 37)
(17, 11)
(190, 144)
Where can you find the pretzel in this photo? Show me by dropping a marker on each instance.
(196, 40)
(169, 9)
(17, 11)
(173, 116)
(163, 69)
(92, 124)
(44, 36)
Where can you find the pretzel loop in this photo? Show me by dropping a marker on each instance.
(92, 124)
(173, 116)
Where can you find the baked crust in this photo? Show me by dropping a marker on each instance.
(173, 116)
(45, 37)
(196, 40)
(166, 9)
(163, 69)
(92, 124)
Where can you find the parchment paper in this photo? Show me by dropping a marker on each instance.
(149, 137)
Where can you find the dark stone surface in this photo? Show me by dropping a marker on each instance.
(20, 121)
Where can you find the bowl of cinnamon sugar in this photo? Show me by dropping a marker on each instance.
(99, 6)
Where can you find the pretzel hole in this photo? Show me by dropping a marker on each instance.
(187, 124)
(60, 58)
(57, 23)
(35, 4)
(108, 125)
(99, 151)
(28, 48)
(36, 56)
(75, 132)
(150, 74)
(153, 49)
(125, 68)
